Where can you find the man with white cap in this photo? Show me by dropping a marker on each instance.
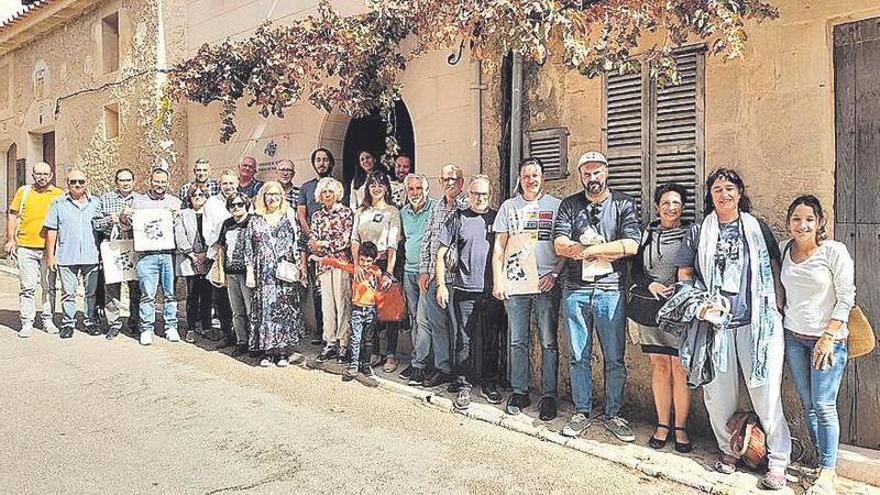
(594, 230)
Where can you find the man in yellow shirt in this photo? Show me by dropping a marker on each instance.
(24, 223)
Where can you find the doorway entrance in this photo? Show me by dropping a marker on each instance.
(368, 133)
(857, 211)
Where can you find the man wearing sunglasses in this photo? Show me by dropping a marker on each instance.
(202, 176)
(110, 222)
(24, 224)
(596, 227)
(72, 250)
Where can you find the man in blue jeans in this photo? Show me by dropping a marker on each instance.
(594, 229)
(528, 219)
(414, 219)
(157, 267)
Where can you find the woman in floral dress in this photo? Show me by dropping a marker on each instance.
(276, 323)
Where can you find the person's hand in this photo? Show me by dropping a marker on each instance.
(315, 258)
(387, 280)
(250, 280)
(9, 247)
(199, 259)
(585, 254)
(314, 245)
(114, 218)
(360, 274)
(424, 280)
(50, 262)
(499, 289)
(442, 295)
(823, 353)
(125, 216)
(659, 290)
(547, 282)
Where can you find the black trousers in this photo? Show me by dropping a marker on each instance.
(198, 302)
(478, 328)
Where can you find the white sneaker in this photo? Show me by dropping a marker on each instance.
(26, 331)
(146, 337)
(171, 335)
(50, 328)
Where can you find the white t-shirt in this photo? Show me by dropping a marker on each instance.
(818, 289)
(377, 225)
(517, 215)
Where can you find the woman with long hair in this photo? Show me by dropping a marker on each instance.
(818, 276)
(272, 240)
(366, 165)
(378, 221)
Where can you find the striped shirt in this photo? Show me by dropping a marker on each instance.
(431, 240)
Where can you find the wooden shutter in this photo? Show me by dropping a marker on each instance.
(624, 109)
(676, 130)
(551, 147)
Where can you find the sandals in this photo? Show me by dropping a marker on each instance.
(682, 447)
(726, 464)
(656, 443)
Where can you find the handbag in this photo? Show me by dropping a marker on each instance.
(748, 440)
(287, 271)
(217, 274)
(861, 340)
(118, 259)
(390, 303)
(641, 306)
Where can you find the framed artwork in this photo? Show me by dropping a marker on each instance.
(521, 265)
(153, 229)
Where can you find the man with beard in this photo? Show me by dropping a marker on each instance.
(413, 219)
(201, 175)
(247, 184)
(27, 212)
(306, 205)
(594, 229)
(215, 213)
(402, 168)
(109, 218)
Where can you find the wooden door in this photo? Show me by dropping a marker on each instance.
(49, 150)
(857, 210)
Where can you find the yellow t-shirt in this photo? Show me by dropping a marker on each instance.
(32, 215)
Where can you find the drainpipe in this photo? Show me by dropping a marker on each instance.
(477, 89)
(516, 98)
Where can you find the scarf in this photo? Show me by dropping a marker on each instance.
(766, 321)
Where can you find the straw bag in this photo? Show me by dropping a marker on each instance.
(861, 340)
(748, 441)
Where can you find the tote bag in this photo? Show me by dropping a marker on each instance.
(118, 259)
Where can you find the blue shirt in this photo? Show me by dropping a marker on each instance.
(307, 198)
(414, 225)
(76, 243)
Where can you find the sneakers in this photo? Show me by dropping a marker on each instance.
(146, 337)
(576, 425)
(266, 362)
(112, 333)
(26, 331)
(341, 357)
(516, 403)
(350, 372)
(329, 352)
(620, 429)
(773, 480)
(93, 330)
(282, 362)
(406, 373)
(438, 378)
(491, 394)
(726, 464)
(191, 336)
(417, 377)
(391, 364)
(547, 409)
(50, 328)
(367, 370)
(66, 333)
(463, 399)
(171, 335)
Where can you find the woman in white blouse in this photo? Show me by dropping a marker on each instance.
(358, 187)
(818, 277)
(378, 221)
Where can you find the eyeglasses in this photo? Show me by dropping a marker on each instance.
(285, 170)
(450, 179)
(199, 195)
(76, 182)
(236, 204)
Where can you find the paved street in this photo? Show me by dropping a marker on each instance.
(92, 416)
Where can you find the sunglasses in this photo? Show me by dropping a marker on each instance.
(237, 204)
(200, 195)
(76, 182)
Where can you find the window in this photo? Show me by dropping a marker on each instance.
(655, 134)
(111, 121)
(551, 147)
(110, 43)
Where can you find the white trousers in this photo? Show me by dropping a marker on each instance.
(335, 289)
(722, 396)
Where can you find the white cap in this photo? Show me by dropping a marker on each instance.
(592, 157)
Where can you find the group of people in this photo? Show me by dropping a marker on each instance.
(475, 279)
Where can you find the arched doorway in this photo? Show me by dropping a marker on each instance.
(368, 133)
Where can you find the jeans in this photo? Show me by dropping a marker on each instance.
(421, 335)
(439, 327)
(240, 300)
(69, 282)
(545, 307)
(113, 302)
(586, 309)
(818, 393)
(476, 338)
(198, 302)
(362, 323)
(32, 272)
(154, 270)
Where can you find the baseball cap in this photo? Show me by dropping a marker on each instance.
(592, 157)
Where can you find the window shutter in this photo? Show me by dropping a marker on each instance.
(677, 129)
(625, 129)
(551, 147)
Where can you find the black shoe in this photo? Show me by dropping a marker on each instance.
(438, 378)
(350, 373)
(516, 403)
(93, 330)
(491, 394)
(239, 350)
(417, 377)
(406, 373)
(547, 409)
(454, 387)
(682, 447)
(656, 443)
(327, 354)
(112, 333)
(66, 333)
(367, 370)
(341, 357)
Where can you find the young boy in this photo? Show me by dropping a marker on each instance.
(363, 306)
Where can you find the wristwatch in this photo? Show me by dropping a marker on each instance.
(554, 274)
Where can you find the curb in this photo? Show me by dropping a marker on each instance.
(620, 456)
